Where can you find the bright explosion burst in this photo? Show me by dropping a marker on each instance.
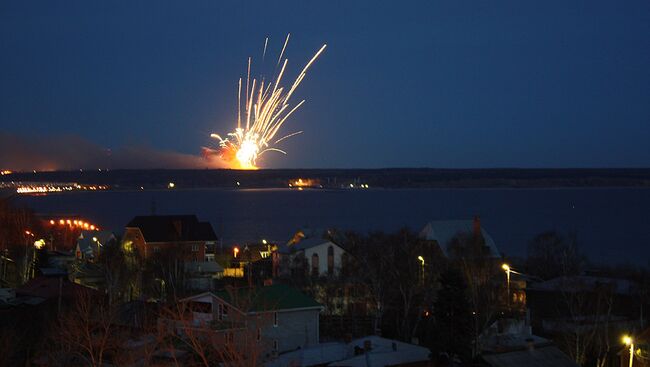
(266, 108)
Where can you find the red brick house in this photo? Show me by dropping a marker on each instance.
(183, 234)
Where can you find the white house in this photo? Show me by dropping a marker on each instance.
(322, 256)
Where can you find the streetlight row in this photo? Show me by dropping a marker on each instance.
(75, 223)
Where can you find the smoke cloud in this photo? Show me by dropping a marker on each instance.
(71, 152)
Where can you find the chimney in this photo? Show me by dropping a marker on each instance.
(477, 225)
(530, 344)
(367, 345)
(178, 226)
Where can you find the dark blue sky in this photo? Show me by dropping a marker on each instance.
(438, 84)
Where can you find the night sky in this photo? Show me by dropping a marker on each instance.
(417, 84)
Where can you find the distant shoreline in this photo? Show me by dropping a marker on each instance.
(346, 179)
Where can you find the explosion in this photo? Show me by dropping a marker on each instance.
(266, 108)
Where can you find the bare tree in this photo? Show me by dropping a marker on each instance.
(233, 342)
(85, 332)
(471, 255)
(550, 255)
(585, 333)
(17, 229)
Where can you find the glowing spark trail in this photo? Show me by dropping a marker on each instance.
(266, 108)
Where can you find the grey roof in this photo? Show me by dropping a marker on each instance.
(547, 356)
(443, 231)
(584, 283)
(341, 354)
(203, 267)
(383, 354)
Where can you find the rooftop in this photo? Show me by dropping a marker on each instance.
(270, 298)
(384, 352)
(169, 228)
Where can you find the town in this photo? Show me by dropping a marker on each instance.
(166, 291)
(324, 183)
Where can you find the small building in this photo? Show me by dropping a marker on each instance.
(184, 235)
(583, 303)
(510, 343)
(314, 256)
(282, 318)
(201, 275)
(90, 243)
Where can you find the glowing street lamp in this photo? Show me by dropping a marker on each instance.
(422, 262)
(627, 340)
(507, 269)
(235, 251)
(99, 245)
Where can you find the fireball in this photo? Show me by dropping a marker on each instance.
(266, 107)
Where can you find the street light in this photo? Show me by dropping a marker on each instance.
(507, 269)
(627, 340)
(422, 262)
(99, 244)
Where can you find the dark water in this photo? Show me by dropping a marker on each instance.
(612, 224)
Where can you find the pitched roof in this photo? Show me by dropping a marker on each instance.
(48, 288)
(444, 231)
(304, 244)
(172, 228)
(275, 297)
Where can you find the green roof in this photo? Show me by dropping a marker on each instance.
(270, 298)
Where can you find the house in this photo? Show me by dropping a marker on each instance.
(584, 302)
(200, 275)
(367, 351)
(444, 232)
(315, 256)
(89, 244)
(281, 317)
(510, 343)
(183, 235)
